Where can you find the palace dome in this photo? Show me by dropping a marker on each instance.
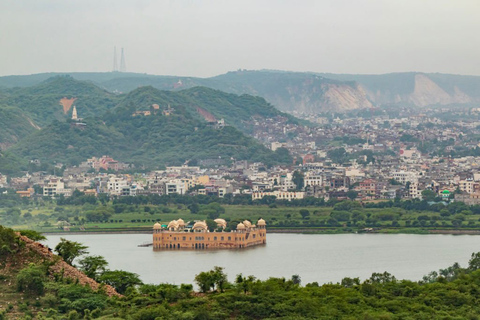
(180, 222)
(157, 226)
(221, 222)
(261, 223)
(241, 226)
(172, 224)
(200, 225)
(247, 223)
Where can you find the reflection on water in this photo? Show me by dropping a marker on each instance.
(320, 258)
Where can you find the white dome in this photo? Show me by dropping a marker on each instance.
(200, 225)
(172, 224)
(247, 223)
(221, 223)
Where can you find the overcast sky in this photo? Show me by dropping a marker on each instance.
(209, 37)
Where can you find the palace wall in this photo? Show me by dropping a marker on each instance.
(165, 239)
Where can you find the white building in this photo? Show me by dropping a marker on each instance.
(404, 176)
(116, 185)
(466, 185)
(414, 192)
(175, 186)
(280, 195)
(55, 187)
(3, 181)
(313, 179)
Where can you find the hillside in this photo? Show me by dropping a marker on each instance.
(43, 102)
(10, 164)
(294, 91)
(60, 142)
(417, 89)
(14, 125)
(302, 92)
(234, 109)
(30, 271)
(171, 134)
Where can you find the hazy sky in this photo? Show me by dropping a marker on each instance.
(210, 37)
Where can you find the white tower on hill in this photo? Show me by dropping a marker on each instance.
(74, 113)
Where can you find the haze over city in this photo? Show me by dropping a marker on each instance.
(240, 159)
(206, 38)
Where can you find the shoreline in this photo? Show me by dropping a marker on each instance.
(287, 231)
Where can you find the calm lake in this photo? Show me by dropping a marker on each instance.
(320, 258)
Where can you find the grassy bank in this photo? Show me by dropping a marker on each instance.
(51, 218)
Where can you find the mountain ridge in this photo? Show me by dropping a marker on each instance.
(306, 92)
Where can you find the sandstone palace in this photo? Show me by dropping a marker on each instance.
(177, 235)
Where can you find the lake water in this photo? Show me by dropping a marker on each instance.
(320, 258)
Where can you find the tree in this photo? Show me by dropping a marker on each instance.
(208, 280)
(9, 242)
(212, 225)
(407, 186)
(219, 278)
(213, 215)
(244, 283)
(352, 194)
(69, 250)
(93, 266)
(474, 262)
(296, 279)
(298, 180)
(338, 155)
(382, 278)
(304, 213)
(120, 280)
(194, 208)
(204, 281)
(102, 213)
(31, 280)
(428, 195)
(33, 235)
(394, 182)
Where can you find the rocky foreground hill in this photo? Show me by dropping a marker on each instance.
(35, 252)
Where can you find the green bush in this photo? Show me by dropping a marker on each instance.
(31, 280)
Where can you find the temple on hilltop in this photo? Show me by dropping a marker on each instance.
(179, 235)
(76, 121)
(74, 114)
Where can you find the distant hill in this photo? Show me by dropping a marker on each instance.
(152, 127)
(417, 89)
(301, 92)
(54, 98)
(42, 102)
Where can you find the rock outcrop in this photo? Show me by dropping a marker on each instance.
(427, 92)
(64, 268)
(345, 97)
